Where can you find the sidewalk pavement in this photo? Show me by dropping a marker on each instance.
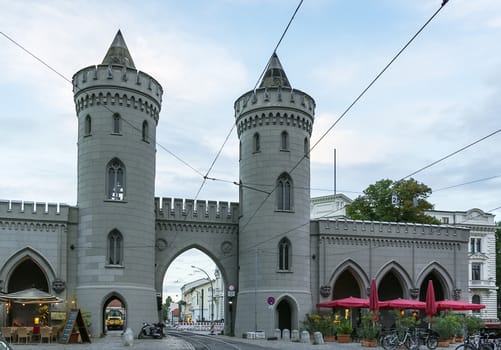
(114, 341)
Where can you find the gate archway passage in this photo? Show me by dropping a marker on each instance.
(211, 227)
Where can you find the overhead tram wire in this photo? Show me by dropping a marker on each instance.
(444, 2)
(451, 154)
(106, 107)
(206, 176)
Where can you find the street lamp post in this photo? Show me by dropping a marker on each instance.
(212, 290)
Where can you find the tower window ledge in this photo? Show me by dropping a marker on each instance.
(116, 133)
(284, 271)
(115, 201)
(284, 211)
(284, 150)
(110, 266)
(87, 135)
(256, 152)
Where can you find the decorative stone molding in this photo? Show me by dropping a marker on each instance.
(58, 285)
(414, 292)
(325, 291)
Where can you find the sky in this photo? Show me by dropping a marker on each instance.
(439, 96)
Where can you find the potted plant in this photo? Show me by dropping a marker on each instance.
(473, 324)
(344, 331)
(369, 329)
(444, 330)
(455, 325)
(323, 323)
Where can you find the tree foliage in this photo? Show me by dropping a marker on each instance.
(376, 203)
(165, 308)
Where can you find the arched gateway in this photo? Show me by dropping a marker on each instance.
(211, 227)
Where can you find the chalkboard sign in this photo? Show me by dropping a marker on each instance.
(75, 317)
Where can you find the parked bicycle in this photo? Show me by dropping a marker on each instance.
(474, 342)
(405, 337)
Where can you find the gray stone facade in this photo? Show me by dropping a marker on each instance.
(119, 240)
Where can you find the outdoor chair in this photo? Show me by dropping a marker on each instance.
(23, 333)
(46, 333)
(9, 334)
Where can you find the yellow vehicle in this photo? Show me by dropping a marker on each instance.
(114, 320)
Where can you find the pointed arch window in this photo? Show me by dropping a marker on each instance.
(284, 141)
(146, 131)
(256, 143)
(284, 192)
(306, 147)
(87, 125)
(115, 248)
(116, 180)
(117, 123)
(284, 255)
(475, 299)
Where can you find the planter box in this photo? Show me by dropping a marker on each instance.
(343, 338)
(329, 338)
(372, 343)
(443, 343)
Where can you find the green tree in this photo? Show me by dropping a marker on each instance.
(165, 308)
(387, 200)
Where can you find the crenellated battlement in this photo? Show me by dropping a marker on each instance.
(392, 230)
(117, 85)
(200, 210)
(249, 108)
(34, 210)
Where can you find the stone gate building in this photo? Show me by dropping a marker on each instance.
(119, 240)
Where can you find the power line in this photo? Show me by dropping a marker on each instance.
(467, 183)
(255, 86)
(106, 107)
(451, 154)
(355, 101)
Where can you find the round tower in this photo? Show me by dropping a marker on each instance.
(118, 109)
(274, 124)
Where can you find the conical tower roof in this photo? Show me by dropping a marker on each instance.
(275, 75)
(118, 53)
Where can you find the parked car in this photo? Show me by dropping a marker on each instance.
(114, 320)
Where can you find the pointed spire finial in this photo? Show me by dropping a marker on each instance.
(118, 53)
(275, 75)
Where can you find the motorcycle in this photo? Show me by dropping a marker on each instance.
(153, 330)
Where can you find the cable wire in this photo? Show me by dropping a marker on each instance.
(451, 154)
(355, 101)
(106, 107)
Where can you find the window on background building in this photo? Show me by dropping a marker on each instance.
(115, 248)
(284, 141)
(475, 245)
(284, 192)
(88, 125)
(476, 271)
(445, 220)
(146, 131)
(116, 123)
(284, 254)
(475, 299)
(256, 143)
(116, 180)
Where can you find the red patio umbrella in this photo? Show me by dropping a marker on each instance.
(373, 298)
(345, 302)
(431, 304)
(458, 305)
(403, 304)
